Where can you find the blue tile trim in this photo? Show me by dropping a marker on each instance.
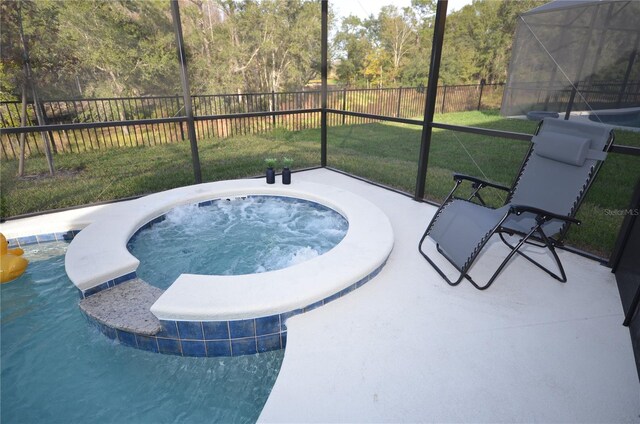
(242, 328)
(267, 325)
(107, 284)
(169, 346)
(169, 329)
(216, 330)
(218, 347)
(42, 238)
(193, 348)
(221, 338)
(68, 236)
(190, 330)
(314, 306)
(94, 290)
(127, 338)
(267, 343)
(246, 346)
(23, 241)
(149, 343)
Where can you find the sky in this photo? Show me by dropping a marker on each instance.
(364, 8)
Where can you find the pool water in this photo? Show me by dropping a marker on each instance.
(236, 236)
(623, 119)
(58, 369)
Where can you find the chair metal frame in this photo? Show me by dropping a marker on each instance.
(535, 237)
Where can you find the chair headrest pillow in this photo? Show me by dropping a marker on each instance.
(562, 148)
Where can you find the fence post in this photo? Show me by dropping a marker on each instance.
(572, 98)
(399, 101)
(482, 83)
(178, 111)
(273, 108)
(444, 96)
(344, 104)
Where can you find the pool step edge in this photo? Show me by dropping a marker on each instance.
(125, 307)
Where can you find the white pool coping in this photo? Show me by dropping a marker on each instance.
(99, 254)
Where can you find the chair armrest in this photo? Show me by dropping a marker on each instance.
(541, 213)
(480, 183)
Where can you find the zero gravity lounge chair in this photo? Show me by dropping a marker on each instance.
(557, 171)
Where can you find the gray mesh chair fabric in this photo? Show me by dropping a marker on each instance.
(461, 227)
(558, 169)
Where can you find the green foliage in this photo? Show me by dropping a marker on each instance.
(251, 46)
(287, 162)
(354, 44)
(394, 48)
(126, 47)
(116, 48)
(113, 48)
(271, 162)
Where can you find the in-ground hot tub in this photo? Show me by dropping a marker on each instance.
(210, 315)
(235, 236)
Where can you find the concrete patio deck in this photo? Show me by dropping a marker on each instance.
(407, 347)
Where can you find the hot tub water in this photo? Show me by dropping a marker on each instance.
(243, 235)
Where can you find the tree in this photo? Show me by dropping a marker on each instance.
(395, 46)
(376, 62)
(49, 59)
(397, 36)
(251, 46)
(125, 47)
(353, 46)
(284, 39)
(481, 35)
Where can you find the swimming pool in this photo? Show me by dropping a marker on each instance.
(56, 368)
(235, 236)
(622, 119)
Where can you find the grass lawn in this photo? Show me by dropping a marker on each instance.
(382, 152)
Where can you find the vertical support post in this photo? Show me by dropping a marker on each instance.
(444, 97)
(344, 104)
(572, 98)
(430, 101)
(399, 101)
(273, 108)
(482, 83)
(176, 112)
(324, 71)
(186, 94)
(23, 136)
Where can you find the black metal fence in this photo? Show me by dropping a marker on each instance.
(215, 115)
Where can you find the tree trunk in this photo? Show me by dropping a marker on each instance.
(43, 134)
(36, 103)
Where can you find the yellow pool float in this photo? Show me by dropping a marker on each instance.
(12, 264)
